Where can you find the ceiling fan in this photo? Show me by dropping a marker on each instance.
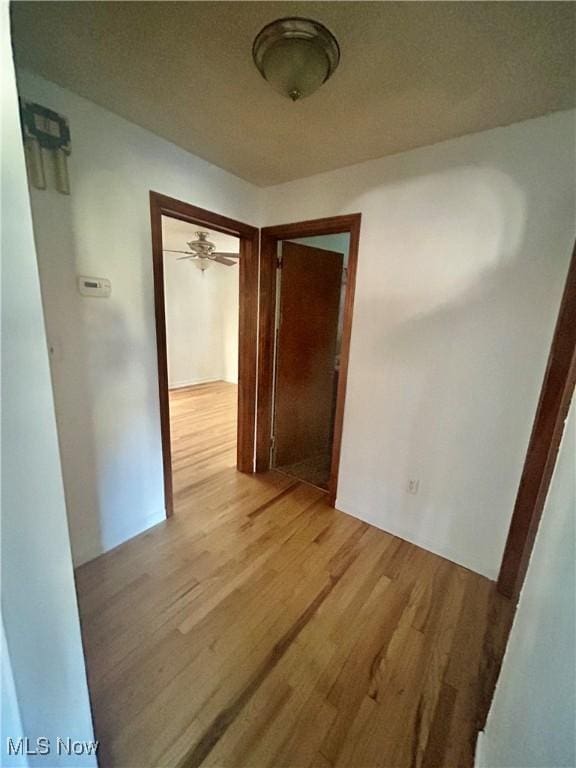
(203, 252)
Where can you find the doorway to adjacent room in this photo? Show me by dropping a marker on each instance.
(307, 279)
(205, 291)
(201, 297)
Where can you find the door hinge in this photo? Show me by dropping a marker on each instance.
(272, 441)
(279, 262)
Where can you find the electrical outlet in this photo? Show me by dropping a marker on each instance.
(413, 486)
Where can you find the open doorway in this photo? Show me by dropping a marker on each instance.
(307, 279)
(311, 290)
(206, 340)
(201, 298)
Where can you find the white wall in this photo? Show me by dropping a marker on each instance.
(229, 292)
(201, 310)
(531, 723)
(44, 679)
(464, 249)
(104, 367)
(463, 253)
(11, 721)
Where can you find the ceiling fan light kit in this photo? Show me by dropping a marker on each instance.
(203, 251)
(296, 56)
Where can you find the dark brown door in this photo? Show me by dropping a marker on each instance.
(310, 291)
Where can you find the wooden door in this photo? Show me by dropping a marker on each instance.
(310, 289)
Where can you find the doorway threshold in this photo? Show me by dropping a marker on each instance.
(285, 473)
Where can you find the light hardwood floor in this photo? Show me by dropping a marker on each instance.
(259, 627)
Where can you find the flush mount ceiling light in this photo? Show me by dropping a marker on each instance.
(296, 56)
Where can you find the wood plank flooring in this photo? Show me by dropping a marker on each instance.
(313, 469)
(259, 627)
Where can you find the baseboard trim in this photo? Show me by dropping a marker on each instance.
(92, 553)
(430, 546)
(193, 382)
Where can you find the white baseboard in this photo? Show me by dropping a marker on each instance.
(95, 549)
(193, 382)
(471, 563)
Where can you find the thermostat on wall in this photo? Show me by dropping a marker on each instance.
(94, 286)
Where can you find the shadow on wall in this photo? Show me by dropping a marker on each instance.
(452, 333)
(107, 393)
(122, 365)
(69, 357)
(100, 368)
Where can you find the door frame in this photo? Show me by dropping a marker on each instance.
(547, 430)
(269, 238)
(162, 205)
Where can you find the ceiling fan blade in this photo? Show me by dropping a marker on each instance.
(186, 258)
(168, 250)
(221, 260)
(226, 255)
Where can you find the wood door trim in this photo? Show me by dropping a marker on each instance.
(547, 430)
(162, 205)
(349, 223)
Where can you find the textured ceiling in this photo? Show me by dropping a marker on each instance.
(411, 74)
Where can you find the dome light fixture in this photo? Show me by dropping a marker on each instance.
(296, 56)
